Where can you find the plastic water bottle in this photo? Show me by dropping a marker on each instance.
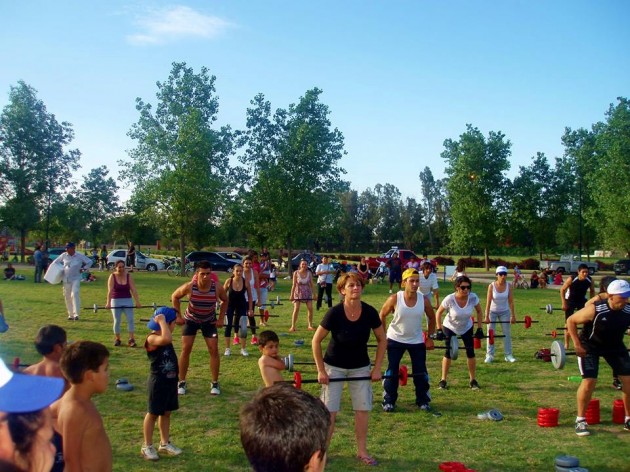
(574, 378)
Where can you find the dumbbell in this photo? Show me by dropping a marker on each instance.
(527, 321)
(559, 354)
(550, 309)
(403, 376)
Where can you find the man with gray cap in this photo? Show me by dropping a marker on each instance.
(604, 326)
(72, 263)
(26, 395)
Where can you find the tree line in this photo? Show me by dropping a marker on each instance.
(279, 182)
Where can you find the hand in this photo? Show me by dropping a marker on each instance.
(322, 377)
(179, 320)
(219, 322)
(513, 319)
(486, 319)
(439, 335)
(429, 344)
(580, 351)
(159, 318)
(376, 375)
(108, 307)
(479, 333)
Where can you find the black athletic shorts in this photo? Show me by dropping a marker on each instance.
(572, 308)
(618, 360)
(208, 328)
(162, 395)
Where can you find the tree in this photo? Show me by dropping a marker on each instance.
(427, 186)
(412, 222)
(293, 159)
(98, 199)
(33, 163)
(180, 164)
(476, 183)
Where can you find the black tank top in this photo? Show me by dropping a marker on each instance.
(577, 291)
(236, 298)
(607, 329)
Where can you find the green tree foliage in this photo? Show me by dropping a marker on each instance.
(34, 164)
(293, 160)
(180, 163)
(412, 223)
(98, 199)
(476, 185)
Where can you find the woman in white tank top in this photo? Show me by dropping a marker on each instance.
(500, 311)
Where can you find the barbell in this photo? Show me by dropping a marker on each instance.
(550, 309)
(527, 321)
(559, 354)
(403, 376)
(96, 307)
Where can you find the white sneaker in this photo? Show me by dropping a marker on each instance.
(228, 352)
(390, 291)
(149, 453)
(489, 359)
(244, 353)
(75, 317)
(181, 388)
(170, 449)
(510, 358)
(215, 389)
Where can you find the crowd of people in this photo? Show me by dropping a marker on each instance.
(73, 374)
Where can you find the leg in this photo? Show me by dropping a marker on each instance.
(184, 357)
(329, 295)
(584, 394)
(309, 311)
(294, 315)
(164, 425)
(625, 386)
(418, 355)
(467, 339)
(320, 293)
(490, 347)
(446, 364)
(333, 417)
(148, 427)
(67, 296)
(395, 351)
(131, 327)
(506, 329)
(472, 367)
(360, 431)
(213, 350)
(76, 297)
(117, 314)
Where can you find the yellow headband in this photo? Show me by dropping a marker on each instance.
(409, 273)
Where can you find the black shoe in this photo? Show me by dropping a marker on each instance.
(474, 384)
(442, 385)
(617, 383)
(626, 425)
(581, 428)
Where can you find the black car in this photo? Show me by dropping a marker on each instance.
(218, 262)
(622, 267)
(311, 259)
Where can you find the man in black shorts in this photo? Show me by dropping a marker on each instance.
(573, 295)
(604, 325)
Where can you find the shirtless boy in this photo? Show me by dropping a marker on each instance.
(86, 446)
(269, 364)
(50, 342)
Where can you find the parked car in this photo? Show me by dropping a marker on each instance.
(311, 259)
(142, 261)
(54, 252)
(622, 267)
(232, 256)
(569, 264)
(218, 262)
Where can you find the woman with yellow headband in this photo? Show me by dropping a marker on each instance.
(405, 334)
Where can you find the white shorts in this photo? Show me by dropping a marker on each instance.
(360, 390)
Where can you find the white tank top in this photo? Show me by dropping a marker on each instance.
(406, 327)
(252, 285)
(500, 299)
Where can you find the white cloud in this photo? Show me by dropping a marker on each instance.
(174, 23)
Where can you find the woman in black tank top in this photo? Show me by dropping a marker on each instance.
(236, 287)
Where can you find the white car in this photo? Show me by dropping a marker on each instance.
(142, 261)
(232, 256)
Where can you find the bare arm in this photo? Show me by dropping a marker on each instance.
(249, 295)
(563, 291)
(511, 304)
(438, 317)
(181, 292)
(318, 356)
(110, 287)
(488, 303)
(592, 288)
(582, 316)
(479, 314)
(133, 290)
(381, 345)
(221, 295)
(428, 310)
(164, 337)
(388, 307)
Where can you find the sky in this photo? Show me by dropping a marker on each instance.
(399, 77)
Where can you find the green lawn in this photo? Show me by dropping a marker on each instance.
(206, 427)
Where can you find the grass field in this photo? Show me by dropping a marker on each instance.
(206, 427)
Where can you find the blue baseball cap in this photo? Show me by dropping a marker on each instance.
(69, 245)
(20, 393)
(169, 314)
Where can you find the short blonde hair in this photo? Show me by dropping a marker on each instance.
(343, 279)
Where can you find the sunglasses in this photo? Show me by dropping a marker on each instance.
(503, 274)
(465, 287)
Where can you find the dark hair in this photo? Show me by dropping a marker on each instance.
(343, 278)
(582, 267)
(48, 337)
(23, 428)
(605, 282)
(427, 265)
(282, 427)
(80, 357)
(461, 265)
(267, 336)
(203, 265)
(461, 279)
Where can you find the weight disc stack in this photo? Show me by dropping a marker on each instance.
(592, 412)
(548, 417)
(618, 412)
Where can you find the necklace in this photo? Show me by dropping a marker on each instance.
(352, 312)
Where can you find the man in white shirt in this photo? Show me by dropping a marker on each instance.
(429, 283)
(325, 273)
(72, 263)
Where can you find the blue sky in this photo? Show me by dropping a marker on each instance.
(399, 77)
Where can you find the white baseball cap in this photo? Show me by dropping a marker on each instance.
(619, 287)
(501, 270)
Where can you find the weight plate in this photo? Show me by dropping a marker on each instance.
(290, 362)
(558, 354)
(242, 329)
(454, 348)
(567, 461)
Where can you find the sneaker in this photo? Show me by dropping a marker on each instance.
(75, 317)
(228, 352)
(244, 353)
(616, 383)
(236, 340)
(390, 291)
(254, 341)
(70, 317)
(181, 387)
(170, 449)
(427, 409)
(626, 425)
(474, 384)
(215, 389)
(149, 453)
(442, 385)
(117, 342)
(132, 343)
(581, 428)
(510, 358)
(388, 407)
(489, 359)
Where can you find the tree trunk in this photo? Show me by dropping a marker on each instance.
(22, 244)
(290, 256)
(486, 258)
(182, 255)
(430, 239)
